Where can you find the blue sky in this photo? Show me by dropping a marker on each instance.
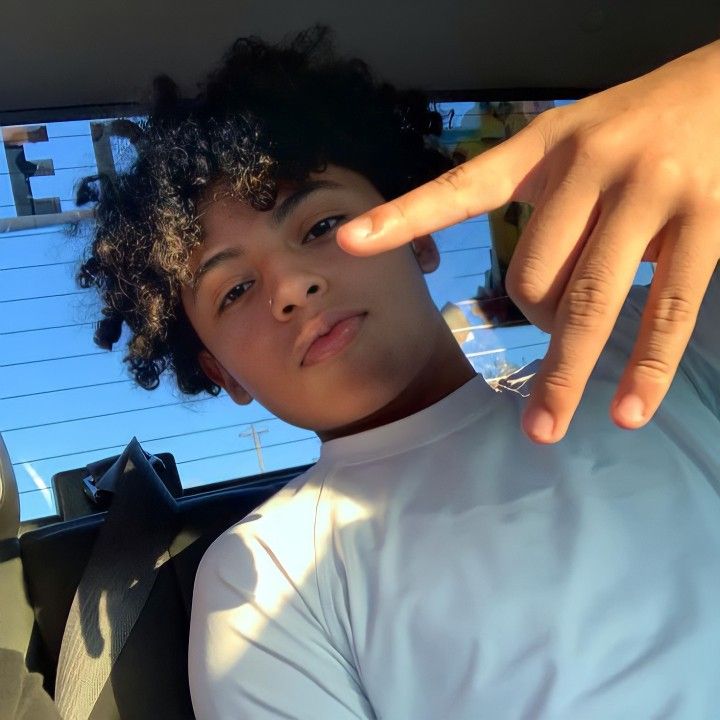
(51, 420)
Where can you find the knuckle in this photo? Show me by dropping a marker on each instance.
(660, 174)
(455, 184)
(655, 369)
(603, 142)
(560, 380)
(546, 117)
(454, 179)
(672, 311)
(671, 314)
(667, 172)
(702, 198)
(587, 301)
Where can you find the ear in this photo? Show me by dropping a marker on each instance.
(220, 376)
(426, 253)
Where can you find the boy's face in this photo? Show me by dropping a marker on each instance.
(321, 338)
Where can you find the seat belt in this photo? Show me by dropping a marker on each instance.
(131, 547)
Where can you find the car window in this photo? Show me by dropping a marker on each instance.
(64, 402)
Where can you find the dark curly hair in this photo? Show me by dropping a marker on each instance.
(269, 114)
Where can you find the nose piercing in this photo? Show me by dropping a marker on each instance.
(270, 302)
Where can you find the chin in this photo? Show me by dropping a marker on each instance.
(341, 397)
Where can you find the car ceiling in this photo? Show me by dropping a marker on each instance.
(55, 54)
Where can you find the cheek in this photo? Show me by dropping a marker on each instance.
(246, 348)
(393, 277)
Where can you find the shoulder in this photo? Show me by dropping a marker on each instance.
(278, 531)
(255, 604)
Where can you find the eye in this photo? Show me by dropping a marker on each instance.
(234, 293)
(321, 228)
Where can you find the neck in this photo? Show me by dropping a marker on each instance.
(447, 370)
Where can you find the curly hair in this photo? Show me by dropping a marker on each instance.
(267, 115)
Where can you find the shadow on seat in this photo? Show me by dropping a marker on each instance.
(149, 677)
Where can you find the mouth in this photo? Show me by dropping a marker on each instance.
(330, 335)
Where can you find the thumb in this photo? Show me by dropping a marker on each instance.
(484, 183)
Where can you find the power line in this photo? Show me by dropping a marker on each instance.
(72, 135)
(55, 169)
(468, 275)
(40, 265)
(476, 219)
(246, 450)
(9, 236)
(62, 200)
(61, 357)
(145, 440)
(70, 454)
(55, 137)
(101, 415)
(44, 297)
(65, 389)
(47, 488)
(50, 489)
(464, 249)
(47, 327)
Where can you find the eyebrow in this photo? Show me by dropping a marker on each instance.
(292, 201)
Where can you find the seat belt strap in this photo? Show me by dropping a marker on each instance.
(131, 547)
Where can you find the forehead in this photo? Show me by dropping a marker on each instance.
(223, 219)
(220, 213)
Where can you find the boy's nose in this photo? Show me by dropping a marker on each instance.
(295, 292)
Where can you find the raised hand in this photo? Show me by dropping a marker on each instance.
(629, 174)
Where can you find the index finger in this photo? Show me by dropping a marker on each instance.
(479, 185)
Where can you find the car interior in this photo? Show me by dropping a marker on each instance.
(97, 60)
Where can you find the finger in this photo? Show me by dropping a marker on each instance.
(588, 310)
(477, 186)
(682, 275)
(550, 245)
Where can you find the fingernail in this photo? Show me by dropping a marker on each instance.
(631, 410)
(539, 424)
(359, 229)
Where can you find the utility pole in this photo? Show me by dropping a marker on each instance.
(255, 434)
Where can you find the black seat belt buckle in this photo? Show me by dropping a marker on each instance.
(97, 496)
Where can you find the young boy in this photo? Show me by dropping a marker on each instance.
(434, 563)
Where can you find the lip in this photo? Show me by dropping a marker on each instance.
(327, 334)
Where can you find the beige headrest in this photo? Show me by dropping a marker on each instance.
(9, 499)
